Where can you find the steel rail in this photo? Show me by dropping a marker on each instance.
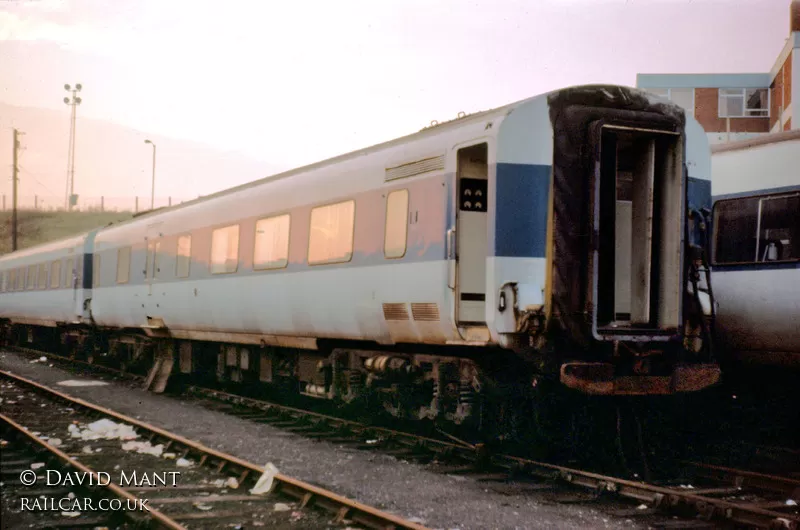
(739, 477)
(162, 520)
(661, 497)
(342, 507)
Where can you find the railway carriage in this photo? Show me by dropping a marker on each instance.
(551, 237)
(45, 289)
(756, 258)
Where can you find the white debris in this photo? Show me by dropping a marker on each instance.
(687, 486)
(42, 359)
(171, 456)
(37, 465)
(372, 441)
(87, 450)
(641, 507)
(264, 484)
(145, 448)
(232, 483)
(55, 442)
(204, 507)
(78, 382)
(71, 514)
(791, 502)
(182, 462)
(218, 483)
(103, 429)
(281, 507)
(71, 495)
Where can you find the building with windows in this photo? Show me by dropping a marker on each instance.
(739, 106)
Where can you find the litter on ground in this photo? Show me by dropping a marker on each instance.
(78, 382)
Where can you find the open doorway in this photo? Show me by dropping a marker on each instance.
(638, 218)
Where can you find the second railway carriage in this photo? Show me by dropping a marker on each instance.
(550, 236)
(756, 258)
(46, 287)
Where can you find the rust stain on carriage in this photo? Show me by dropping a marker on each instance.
(599, 379)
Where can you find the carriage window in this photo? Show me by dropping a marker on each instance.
(5, 279)
(42, 283)
(31, 277)
(123, 264)
(271, 250)
(96, 271)
(55, 274)
(757, 229)
(331, 237)
(394, 242)
(225, 250)
(183, 256)
(21, 279)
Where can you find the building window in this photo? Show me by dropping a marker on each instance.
(660, 92)
(743, 102)
(183, 256)
(225, 250)
(42, 282)
(55, 274)
(757, 229)
(331, 235)
(271, 249)
(396, 230)
(123, 264)
(683, 97)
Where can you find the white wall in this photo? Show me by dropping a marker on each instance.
(756, 168)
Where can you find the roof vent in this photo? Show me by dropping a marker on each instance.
(415, 168)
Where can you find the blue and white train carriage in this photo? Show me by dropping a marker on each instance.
(756, 258)
(48, 287)
(547, 236)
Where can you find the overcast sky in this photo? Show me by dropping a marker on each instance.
(292, 82)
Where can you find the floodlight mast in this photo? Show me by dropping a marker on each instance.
(73, 101)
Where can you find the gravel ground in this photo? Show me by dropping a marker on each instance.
(403, 488)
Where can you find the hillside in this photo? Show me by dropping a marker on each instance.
(113, 161)
(37, 227)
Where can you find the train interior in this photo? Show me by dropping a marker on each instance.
(639, 252)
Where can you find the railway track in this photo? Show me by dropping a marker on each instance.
(61, 453)
(716, 493)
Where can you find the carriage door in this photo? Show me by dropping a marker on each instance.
(471, 228)
(151, 268)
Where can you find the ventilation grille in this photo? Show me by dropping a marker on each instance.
(395, 312)
(425, 312)
(415, 168)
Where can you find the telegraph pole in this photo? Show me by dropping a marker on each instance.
(14, 179)
(72, 102)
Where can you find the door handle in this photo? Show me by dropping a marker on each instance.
(451, 243)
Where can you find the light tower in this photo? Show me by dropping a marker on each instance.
(74, 101)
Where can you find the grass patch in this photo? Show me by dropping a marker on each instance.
(36, 227)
